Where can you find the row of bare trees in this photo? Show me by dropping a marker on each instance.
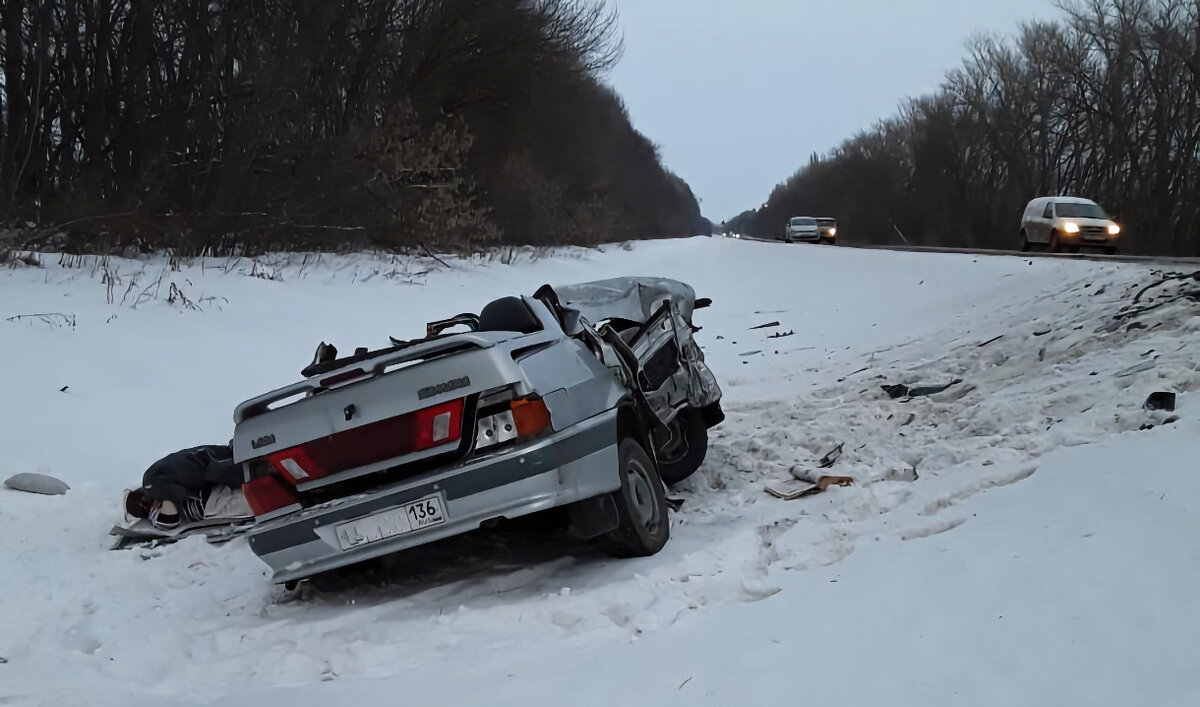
(1104, 103)
(227, 124)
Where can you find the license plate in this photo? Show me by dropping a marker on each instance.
(408, 518)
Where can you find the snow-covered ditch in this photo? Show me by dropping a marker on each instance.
(1069, 586)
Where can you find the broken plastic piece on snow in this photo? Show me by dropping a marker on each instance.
(37, 483)
(1160, 401)
(991, 341)
(792, 489)
(830, 458)
(1140, 368)
(750, 353)
(903, 391)
(781, 335)
(1042, 332)
(768, 325)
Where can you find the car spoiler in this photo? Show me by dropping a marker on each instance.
(361, 370)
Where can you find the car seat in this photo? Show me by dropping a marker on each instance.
(509, 314)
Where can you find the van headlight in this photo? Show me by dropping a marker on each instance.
(1071, 228)
(1114, 229)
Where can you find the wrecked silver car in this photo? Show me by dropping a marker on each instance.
(587, 397)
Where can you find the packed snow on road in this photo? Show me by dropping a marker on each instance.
(1024, 535)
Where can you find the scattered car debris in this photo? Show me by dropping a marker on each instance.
(1042, 332)
(1160, 401)
(64, 389)
(37, 483)
(750, 353)
(782, 335)
(847, 376)
(1172, 277)
(1134, 326)
(768, 325)
(1150, 425)
(903, 391)
(1139, 368)
(793, 489)
(830, 458)
(991, 341)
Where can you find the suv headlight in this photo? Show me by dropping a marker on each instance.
(1071, 228)
(1113, 229)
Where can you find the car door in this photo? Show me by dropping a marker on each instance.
(663, 378)
(1045, 221)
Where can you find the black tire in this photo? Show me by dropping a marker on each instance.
(641, 505)
(1054, 246)
(1026, 246)
(1110, 250)
(683, 454)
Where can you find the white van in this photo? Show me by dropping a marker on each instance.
(1066, 222)
(802, 228)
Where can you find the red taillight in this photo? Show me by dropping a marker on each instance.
(438, 425)
(268, 493)
(375, 442)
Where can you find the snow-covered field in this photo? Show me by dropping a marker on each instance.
(1015, 540)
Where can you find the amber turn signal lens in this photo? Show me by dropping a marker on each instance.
(531, 416)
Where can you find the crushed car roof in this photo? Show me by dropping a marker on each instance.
(632, 298)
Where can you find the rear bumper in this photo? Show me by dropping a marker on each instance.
(568, 466)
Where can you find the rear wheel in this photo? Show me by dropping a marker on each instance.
(641, 503)
(684, 452)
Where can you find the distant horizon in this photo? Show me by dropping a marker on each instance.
(714, 85)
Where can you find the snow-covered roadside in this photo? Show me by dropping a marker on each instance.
(198, 621)
(1074, 587)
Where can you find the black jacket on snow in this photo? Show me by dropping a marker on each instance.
(191, 472)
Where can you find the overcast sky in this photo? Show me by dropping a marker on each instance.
(739, 93)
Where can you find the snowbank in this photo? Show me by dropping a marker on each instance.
(853, 596)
